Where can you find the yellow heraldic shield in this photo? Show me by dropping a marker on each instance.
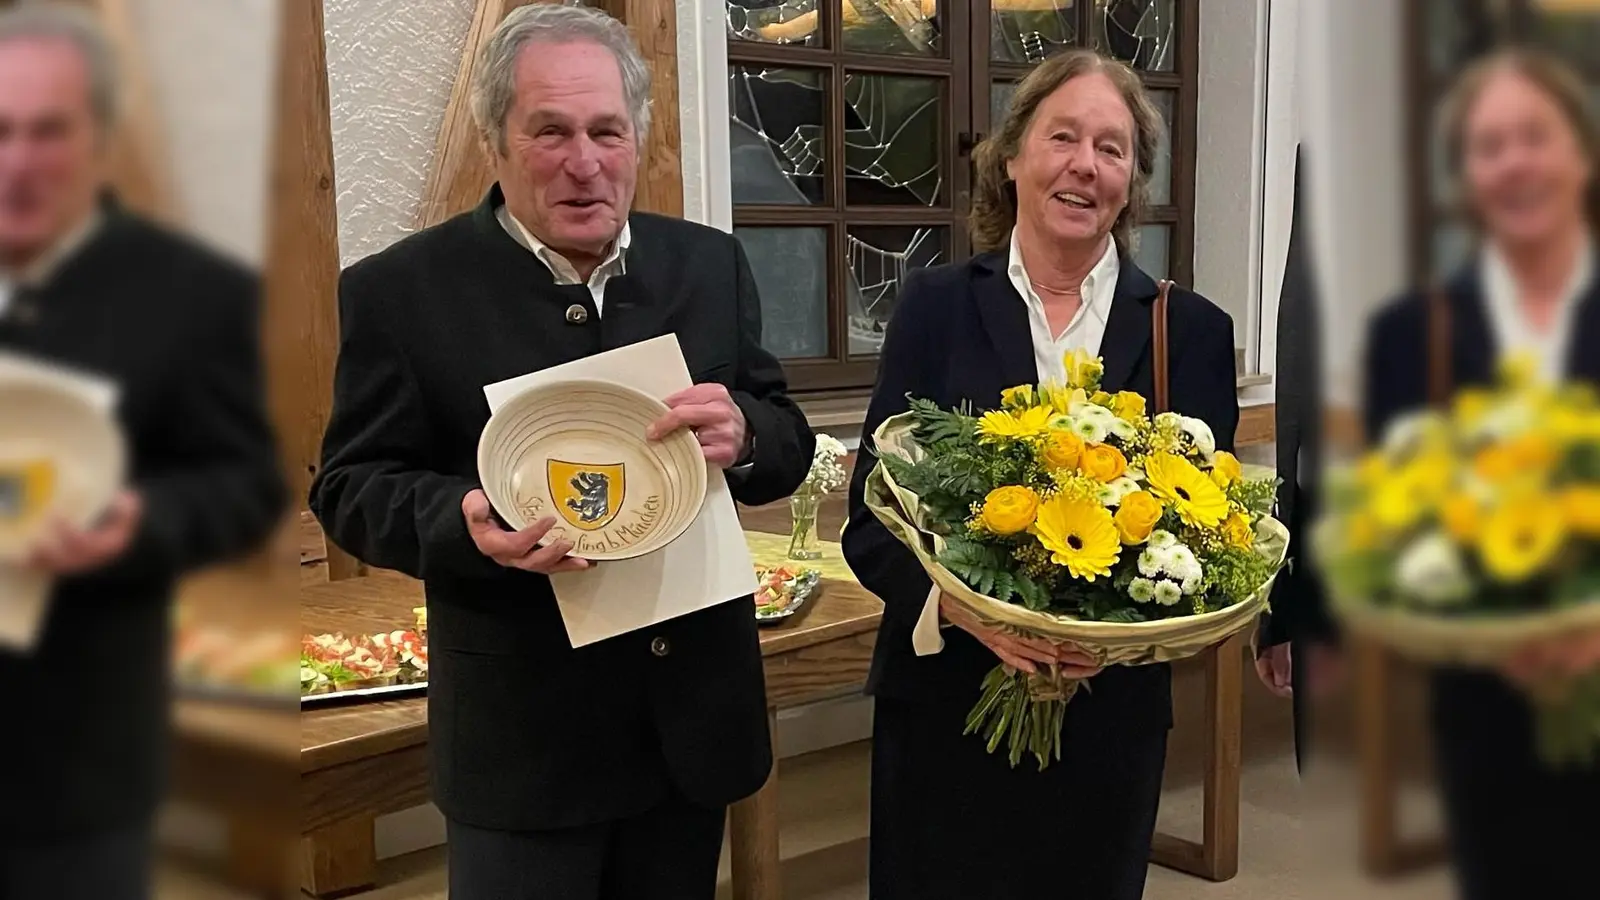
(587, 496)
(25, 490)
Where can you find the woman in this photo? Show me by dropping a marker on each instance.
(1058, 195)
(1520, 140)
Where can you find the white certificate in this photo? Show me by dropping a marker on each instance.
(25, 594)
(708, 565)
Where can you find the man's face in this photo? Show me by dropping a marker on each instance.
(50, 160)
(571, 159)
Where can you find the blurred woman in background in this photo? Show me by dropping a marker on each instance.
(1521, 142)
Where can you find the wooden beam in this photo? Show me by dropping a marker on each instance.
(302, 279)
(460, 174)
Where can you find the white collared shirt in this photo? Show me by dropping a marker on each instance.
(44, 267)
(1514, 334)
(565, 273)
(1088, 326)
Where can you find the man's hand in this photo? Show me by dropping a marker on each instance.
(517, 549)
(66, 550)
(1558, 660)
(1275, 668)
(1020, 653)
(717, 421)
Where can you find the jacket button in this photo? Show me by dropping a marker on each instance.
(660, 647)
(577, 314)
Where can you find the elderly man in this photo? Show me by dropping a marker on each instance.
(603, 771)
(90, 287)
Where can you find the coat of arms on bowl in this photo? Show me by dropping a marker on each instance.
(587, 496)
(25, 488)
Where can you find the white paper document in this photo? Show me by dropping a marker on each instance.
(24, 594)
(708, 565)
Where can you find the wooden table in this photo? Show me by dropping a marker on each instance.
(358, 762)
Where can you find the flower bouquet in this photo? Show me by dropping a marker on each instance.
(1473, 532)
(1070, 515)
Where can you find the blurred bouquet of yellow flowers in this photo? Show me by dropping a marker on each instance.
(1070, 514)
(1470, 533)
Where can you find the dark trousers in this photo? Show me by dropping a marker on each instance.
(1518, 829)
(952, 822)
(112, 865)
(669, 853)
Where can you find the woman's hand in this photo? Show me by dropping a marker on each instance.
(1021, 653)
(1556, 660)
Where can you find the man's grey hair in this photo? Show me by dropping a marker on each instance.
(494, 82)
(81, 28)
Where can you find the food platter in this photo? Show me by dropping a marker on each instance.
(339, 667)
(783, 591)
(577, 451)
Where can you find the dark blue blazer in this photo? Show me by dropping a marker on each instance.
(960, 333)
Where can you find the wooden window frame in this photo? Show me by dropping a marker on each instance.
(966, 79)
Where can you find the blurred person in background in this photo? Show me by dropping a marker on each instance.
(1059, 193)
(603, 771)
(87, 285)
(1521, 142)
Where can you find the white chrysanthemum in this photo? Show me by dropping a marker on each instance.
(1405, 434)
(1199, 432)
(1092, 430)
(1168, 593)
(1432, 571)
(1161, 540)
(1142, 590)
(827, 443)
(1113, 493)
(1191, 585)
(1122, 429)
(1181, 562)
(1150, 562)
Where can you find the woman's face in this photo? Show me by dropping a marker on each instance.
(1075, 163)
(1524, 167)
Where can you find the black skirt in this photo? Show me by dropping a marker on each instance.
(1517, 828)
(949, 820)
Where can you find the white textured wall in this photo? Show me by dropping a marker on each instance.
(1228, 162)
(391, 66)
(212, 66)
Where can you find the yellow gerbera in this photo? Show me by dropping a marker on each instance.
(1581, 505)
(1520, 537)
(1000, 425)
(1080, 536)
(1187, 490)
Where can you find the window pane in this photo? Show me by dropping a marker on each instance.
(879, 257)
(775, 137)
(774, 21)
(791, 270)
(999, 101)
(891, 26)
(1154, 243)
(892, 140)
(1141, 33)
(1029, 32)
(1161, 177)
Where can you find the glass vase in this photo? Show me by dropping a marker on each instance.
(803, 542)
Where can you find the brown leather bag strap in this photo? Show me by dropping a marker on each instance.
(1158, 347)
(1440, 376)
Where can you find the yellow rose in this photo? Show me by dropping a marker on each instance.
(1581, 505)
(1083, 370)
(1528, 455)
(1019, 397)
(1009, 510)
(1226, 469)
(1103, 462)
(1128, 406)
(1100, 398)
(1361, 532)
(1236, 530)
(1062, 449)
(1462, 517)
(1137, 517)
